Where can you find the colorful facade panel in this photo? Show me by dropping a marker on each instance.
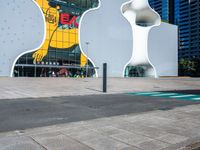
(61, 28)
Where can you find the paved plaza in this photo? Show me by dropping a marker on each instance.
(73, 114)
(48, 87)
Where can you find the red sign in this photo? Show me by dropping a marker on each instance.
(65, 19)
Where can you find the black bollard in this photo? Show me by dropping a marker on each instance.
(104, 77)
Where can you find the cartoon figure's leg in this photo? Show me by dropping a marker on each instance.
(52, 19)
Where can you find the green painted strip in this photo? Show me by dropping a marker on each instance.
(183, 96)
(145, 93)
(177, 96)
(165, 94)
(198, 98)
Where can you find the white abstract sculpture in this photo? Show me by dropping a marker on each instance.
(22, 30)
(143, 20)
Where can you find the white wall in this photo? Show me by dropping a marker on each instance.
(163, 49)
(22, 30)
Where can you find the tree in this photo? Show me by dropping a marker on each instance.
(187, 67)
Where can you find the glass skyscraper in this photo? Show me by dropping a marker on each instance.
(162, 7)
(185, 14)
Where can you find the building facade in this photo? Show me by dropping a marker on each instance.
(144, 47)
(46, 36)
(185, 14)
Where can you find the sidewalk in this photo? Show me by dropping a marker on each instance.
(156, 130)
(12, 88)
(171, 129)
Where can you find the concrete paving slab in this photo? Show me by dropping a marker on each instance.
(58, 141)
(185, 123)
(173, 130)
(173, 138)
(153, 145)
(148, 131)
(19, 143)
(150, 119)
(109, 131)
(176, 114)
(130, 148)
(195, 132)
(97, 141)
(39, 130)
(141, 129)
(131, 138)
(77, 132)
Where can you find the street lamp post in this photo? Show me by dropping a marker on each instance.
(87, 43)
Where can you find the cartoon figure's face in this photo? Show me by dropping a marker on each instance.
(52, 16)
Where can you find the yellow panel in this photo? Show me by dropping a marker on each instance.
(68, 37)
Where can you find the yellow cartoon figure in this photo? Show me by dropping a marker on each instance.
(56, 37)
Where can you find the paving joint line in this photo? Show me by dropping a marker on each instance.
(136, 134)
(114, 138)
(37, 142)
(76, 140)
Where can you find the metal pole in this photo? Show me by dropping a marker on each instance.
(104, 77)
(35, 70)
(87, 43)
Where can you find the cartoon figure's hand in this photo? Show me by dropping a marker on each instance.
(39, 55)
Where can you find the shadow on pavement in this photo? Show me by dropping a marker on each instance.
(19, 114)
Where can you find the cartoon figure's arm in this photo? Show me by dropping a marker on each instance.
(52, 19)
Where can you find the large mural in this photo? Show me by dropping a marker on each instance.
(61, 27)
